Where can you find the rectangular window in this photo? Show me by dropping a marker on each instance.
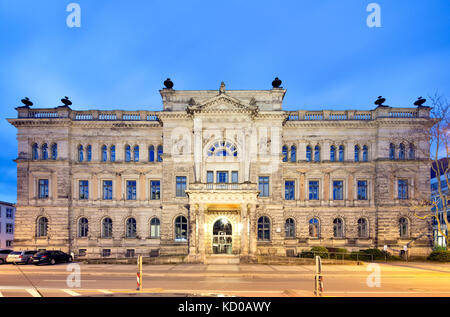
(130, 253)
(234, 177)
(106, 252)
(338, 190)
(289, 190)
(107, 190)
(9, 228)
(43, 188)
(264, 186)
(82, 252)
(9, 243)
(402, 189)
(313, 190)
(131, 190)
(84, 189)
(155, 190)
(222, 177)
(210, 177)
(362, 190)
(181, 186)
(9, 213)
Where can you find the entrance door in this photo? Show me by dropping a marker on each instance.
(222, 237)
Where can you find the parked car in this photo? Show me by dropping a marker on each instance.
(20, 257)
(51, 257)
(3, 255)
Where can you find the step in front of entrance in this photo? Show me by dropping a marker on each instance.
(222, 259)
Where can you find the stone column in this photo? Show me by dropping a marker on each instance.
(193, 231)
(243, 230)
(201, 233)
(251, 229)
(326, 188)
(350, 185)
(302, 186)
(198, 148)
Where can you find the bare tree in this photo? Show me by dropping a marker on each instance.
(436, 208)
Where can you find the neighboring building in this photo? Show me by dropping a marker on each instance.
(7, 214)
(220, 172)
(442, 165)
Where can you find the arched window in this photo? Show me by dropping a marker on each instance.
(80, 153)
(136, 153)
(293, 153)
(341, 153)
(54, 151)
(356, 153)
(338, 228)
(83, 228)
(391, 151)
(284, 151)
(127, 153)
(181, 228)
(362, 228)
(314, 229)
(365, 156)
(44, 150)
(403, 226)
(332, 153)
(42, 227)
(289, 228)
(154, 228)
(104, 153)
(112, 153)
(131, 228)
(412, 154)
(219, 148)
(89, 153)
(107, 228)
(317, 153)
(160, 153)
(308, 154)
(151, 153)
(35, 151)
(264, 229)
(401, 152)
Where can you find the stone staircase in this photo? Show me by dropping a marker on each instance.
(222, 259)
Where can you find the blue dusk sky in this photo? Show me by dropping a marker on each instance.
(326, 55)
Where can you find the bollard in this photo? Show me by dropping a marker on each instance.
(318, 287)
(139, 274)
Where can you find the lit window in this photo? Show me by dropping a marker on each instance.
(181, 227)
(314, 228)
(155, 228)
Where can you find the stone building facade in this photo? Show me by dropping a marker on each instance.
(220, 173)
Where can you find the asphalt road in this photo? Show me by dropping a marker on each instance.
(403, 279)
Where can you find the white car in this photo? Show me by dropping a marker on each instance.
(20, 257)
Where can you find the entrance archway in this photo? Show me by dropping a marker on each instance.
(222, 237)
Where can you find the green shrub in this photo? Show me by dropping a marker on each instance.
(338, 253)
(320, 251)
(370, 254)
(439, 248)
(439, 256)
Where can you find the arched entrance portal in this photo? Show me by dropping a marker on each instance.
(222, 237)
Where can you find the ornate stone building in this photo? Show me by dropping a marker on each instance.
(220, 172)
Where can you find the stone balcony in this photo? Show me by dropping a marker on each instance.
(223, 193)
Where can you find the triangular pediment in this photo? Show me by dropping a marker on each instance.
(223, 103)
